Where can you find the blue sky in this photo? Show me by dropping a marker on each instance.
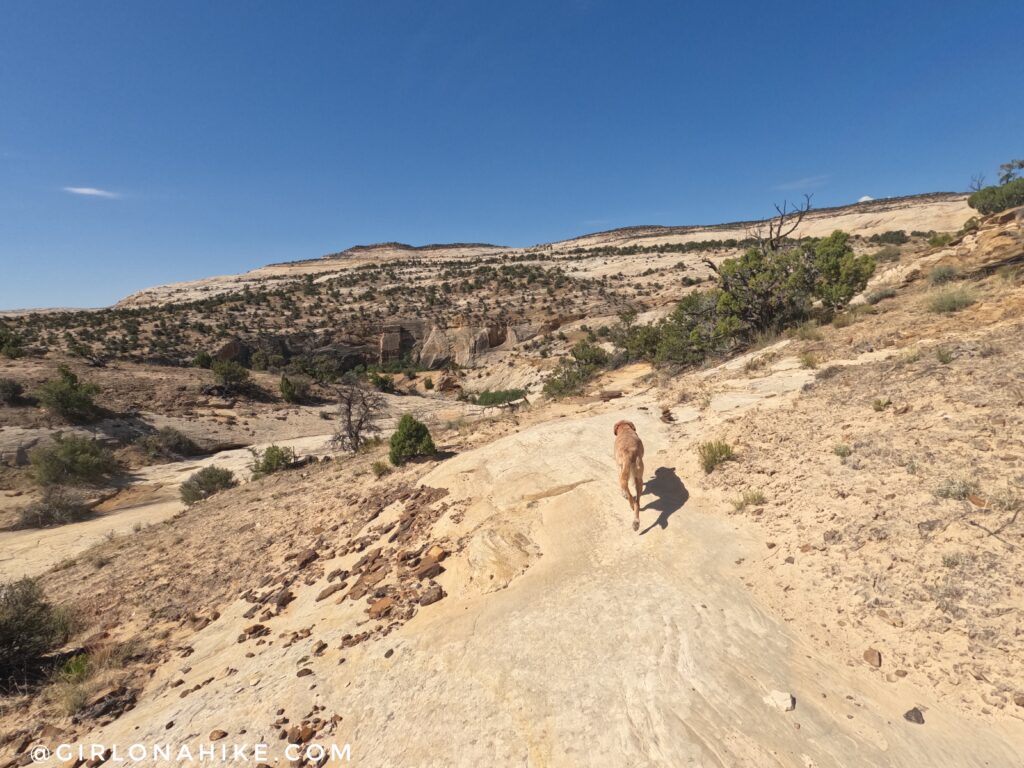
(220, 136)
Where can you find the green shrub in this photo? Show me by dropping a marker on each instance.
(274, 459)
(29, 627)
(942, 274)
(428, 383)
(203, 359)
(998, 198)
(572, 374)
(69, 398)
(170, 443)
(10, 391)
(381, 382)
(892, 237)
(71, 459)
(841, 274)
(971, 225)
(231, 376)
(842, 451)
(206, 482)
(10, 343)
(499, 397)
(714, 453)
(411, 439)
(940, 239)
(379, 469)
(294, 389)
(58, 506)
(943, 355)
(950, 300)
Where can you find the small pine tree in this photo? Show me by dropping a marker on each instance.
(411, 439)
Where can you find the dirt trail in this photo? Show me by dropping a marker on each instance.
(606, 648)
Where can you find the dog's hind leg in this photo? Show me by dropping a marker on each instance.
(638, 481)
(624, 472)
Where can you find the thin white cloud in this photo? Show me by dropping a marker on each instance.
(91, 192)
(808, 182)
(865, 199)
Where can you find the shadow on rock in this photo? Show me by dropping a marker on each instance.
(670, 495)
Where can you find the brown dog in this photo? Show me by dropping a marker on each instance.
(629, 455)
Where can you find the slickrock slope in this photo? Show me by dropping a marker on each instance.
(846, 591)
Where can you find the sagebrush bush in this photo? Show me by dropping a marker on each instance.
(68, 397)
(942, 274)
(71, 459)
(10, 391)
(58, 506)
(950, 300)
(714, 453)
(206, 482)
(29, 627)
(410, 439)
(886, 254)
(956, 488)
(274, 459)
(940, 239)
(203, 359)
(879, 294)
(169, 442)
(379, 469)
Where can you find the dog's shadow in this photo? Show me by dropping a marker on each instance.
(671, 495)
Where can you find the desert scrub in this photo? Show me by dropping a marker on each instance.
(880, 403)
(942, 274)
(230, 376)
(69, 398)
(379, 469)
(956, 488)
(808, 331)
(410, 439)
(10, 391)
(809, 360)
(30, 627)
(879, 294)
(498, 397)
(843, 451)
(294, 389)
(206, 482)
(713, 453)
(887, 254)
(943, 355)
(71, 459)
(274, 459)
(748, 498)
(58, 506)
(949, 300)
(572, 374)
(169, 443)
